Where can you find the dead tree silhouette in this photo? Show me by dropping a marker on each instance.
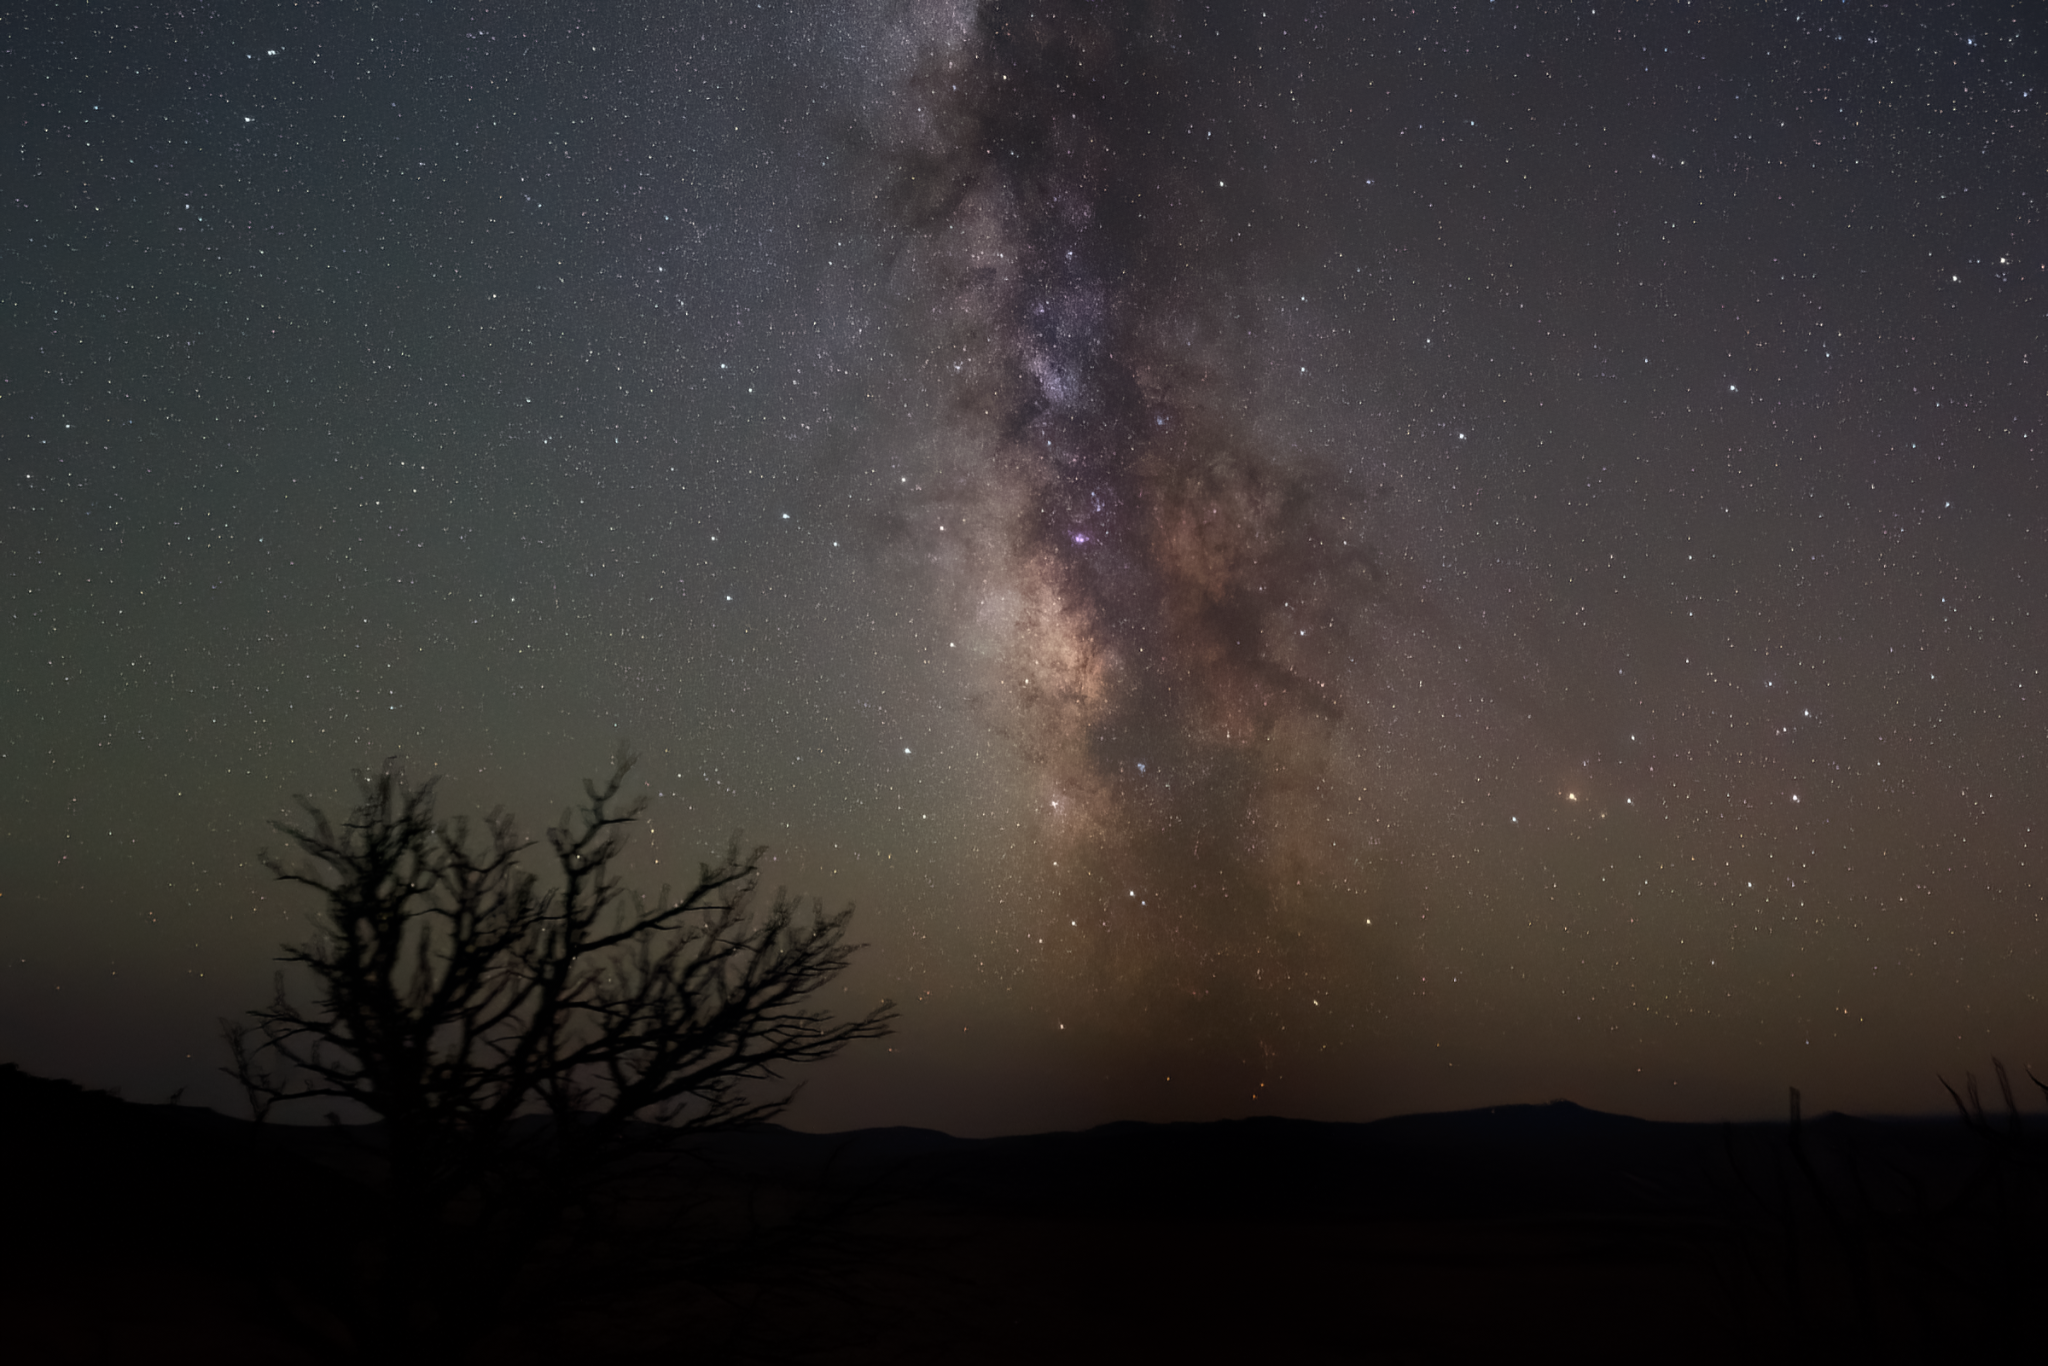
(523, 1048)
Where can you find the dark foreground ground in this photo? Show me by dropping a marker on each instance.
(1529, 1232)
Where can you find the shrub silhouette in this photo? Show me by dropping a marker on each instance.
(521, 1047)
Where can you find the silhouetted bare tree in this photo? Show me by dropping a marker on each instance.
(523, 1044)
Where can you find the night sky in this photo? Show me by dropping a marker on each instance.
(1326, 559)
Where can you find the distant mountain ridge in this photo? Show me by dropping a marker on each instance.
(1509, 1160)
(1454, 1236)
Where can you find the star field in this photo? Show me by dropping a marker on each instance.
(1318, 559)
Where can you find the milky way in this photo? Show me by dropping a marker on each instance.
(1188, 604)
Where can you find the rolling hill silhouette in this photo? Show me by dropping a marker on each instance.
(1547, 1229)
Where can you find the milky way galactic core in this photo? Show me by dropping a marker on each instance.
(1185, 603)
